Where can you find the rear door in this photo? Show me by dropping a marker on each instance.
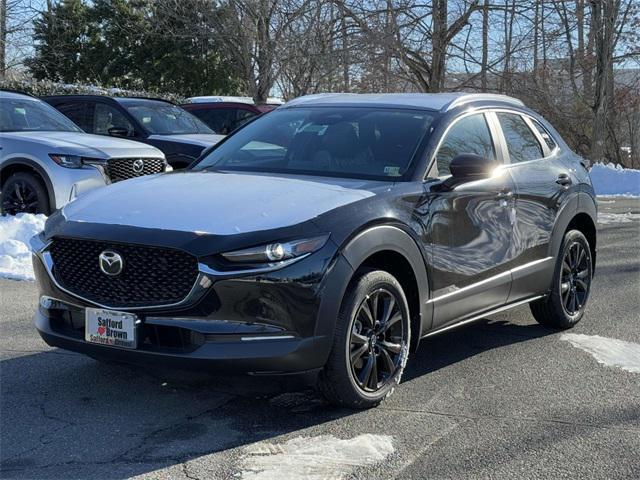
(541, 181)
(470, 225)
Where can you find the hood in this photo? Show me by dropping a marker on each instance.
(88, 145)
(199, 139)
(215, 203)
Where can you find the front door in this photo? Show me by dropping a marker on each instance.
(470, 226)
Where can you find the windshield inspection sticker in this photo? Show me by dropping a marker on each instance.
(392, 171)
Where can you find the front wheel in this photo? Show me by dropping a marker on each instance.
(571, 285)
(371, 342)
(24, 193)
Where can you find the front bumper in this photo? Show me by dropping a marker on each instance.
(215, 354)
(70, 183)
(271, 322)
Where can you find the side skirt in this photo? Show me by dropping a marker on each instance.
(482, 315)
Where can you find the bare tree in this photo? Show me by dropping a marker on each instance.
(252, 30)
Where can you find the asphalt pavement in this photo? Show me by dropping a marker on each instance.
(502, 398)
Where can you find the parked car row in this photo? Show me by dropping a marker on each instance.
(49, 156)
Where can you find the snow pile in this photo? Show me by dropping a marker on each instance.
(15, 256)
(609, 179)
(606, 218)
(608, 351)
(313, 458)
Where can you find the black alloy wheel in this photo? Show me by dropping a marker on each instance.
(24, 193)
(376, 341)
(370, 344)
(575, 279)
(565, 303)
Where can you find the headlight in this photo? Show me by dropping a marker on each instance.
(277, 252)
(68, 161)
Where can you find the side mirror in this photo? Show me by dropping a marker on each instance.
(118, 132)
(471, 166)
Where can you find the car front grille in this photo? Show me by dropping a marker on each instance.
(150, 276)
(123, 168)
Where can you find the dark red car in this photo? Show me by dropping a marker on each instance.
(224, 114)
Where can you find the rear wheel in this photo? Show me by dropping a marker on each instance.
(565, 304)
(371, 342)
(23, 192)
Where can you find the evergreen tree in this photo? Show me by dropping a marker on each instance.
(137, 44)
(61, 42)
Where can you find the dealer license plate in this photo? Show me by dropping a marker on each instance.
(109, 327)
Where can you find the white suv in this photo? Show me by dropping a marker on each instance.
(46, 160)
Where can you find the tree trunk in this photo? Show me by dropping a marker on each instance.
(604, 14)
(536, 40)
(439, 44)
(3, 38)
(345, 55)
(485, 45)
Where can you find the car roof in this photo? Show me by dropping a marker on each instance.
(220, 99)
(431, 101)
(191, 106)
(13, 94)
(104, 97)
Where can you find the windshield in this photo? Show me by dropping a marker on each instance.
(166, 119)
(373, 143)
(32, 115)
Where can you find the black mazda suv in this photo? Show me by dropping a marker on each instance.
(329, 236)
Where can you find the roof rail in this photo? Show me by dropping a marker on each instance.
(475, 97)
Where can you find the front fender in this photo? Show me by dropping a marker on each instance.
(389, 237)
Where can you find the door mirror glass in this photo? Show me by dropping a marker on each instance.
(471, 166)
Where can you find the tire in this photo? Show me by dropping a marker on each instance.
(383, 346)
(24, 192)
(571, 279)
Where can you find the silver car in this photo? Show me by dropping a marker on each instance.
(46, 161)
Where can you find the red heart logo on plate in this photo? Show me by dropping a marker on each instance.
(101, 330)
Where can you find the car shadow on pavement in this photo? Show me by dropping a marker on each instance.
(67, 416)
(453, 346)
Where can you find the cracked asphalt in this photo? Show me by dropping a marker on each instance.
(502, 398)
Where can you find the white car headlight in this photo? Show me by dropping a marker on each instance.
(278, 251)
(68, 161)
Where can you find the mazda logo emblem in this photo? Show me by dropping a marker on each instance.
(111, 263)
(138, 165)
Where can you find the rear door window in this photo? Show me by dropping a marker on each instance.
(546, 136)
(522, 143)
(217, 119)
(80, 113)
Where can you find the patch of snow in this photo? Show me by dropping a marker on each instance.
(613, 180)
(313, 458)
(607, 351)
(606, 218)
(15, 255)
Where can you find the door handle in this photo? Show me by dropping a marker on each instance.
(504, 195)
(563, 179)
